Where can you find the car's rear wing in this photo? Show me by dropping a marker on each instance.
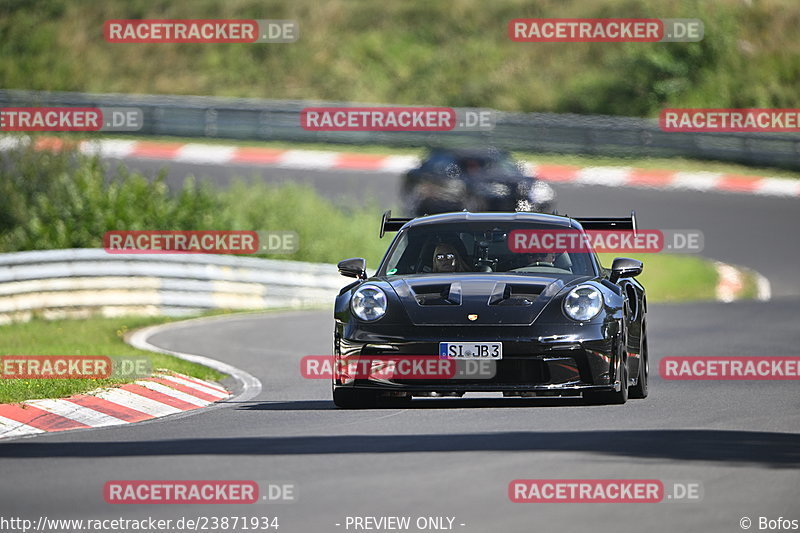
(589, 223)
(608, 223)
(392, 224)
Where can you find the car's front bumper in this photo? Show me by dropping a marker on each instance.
(550, 365)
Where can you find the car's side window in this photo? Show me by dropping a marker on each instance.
(437, 164)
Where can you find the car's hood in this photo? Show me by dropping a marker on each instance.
(477, 299)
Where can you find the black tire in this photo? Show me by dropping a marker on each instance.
(354, 399)
(640, 390)
(613, 397)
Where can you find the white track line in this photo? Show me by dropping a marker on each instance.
(399, 163)
(137, 402)
(764, 288)
(108, 148)
(76, 412)
(205, 153)
(251, 386)
(208, 384)
(778, 187)
(12, 428)
(178, 395)
(701, 181)
(217, 388)
(187, 383)
(309, 159)
(609, 176)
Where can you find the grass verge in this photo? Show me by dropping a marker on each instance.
(92, 336)
(673, 278)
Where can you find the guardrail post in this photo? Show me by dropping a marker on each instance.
(211, 122)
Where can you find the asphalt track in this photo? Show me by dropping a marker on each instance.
(455, 458)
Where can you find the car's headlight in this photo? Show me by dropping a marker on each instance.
(368, 303)
(583, 303)
(541, 193)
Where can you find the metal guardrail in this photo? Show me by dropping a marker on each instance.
(81, 281)
(256, 119)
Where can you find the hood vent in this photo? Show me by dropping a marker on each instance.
(515, 294)
(437, 294)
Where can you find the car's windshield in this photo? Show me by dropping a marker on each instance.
(481, 247)
(439, 162)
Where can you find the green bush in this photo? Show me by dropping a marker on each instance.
(64, 199)
(327, 232)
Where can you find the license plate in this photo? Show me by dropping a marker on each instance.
(471, 350)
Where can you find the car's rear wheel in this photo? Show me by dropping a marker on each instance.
(640, 390)
(354, 398)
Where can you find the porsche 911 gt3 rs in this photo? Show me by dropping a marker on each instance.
(453, 287)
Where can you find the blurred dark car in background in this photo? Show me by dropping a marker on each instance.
(476, 179)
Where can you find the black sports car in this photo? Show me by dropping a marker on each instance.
(453, 179)
(452, 287)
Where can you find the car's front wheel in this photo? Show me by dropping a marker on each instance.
(640, 389)
(613, 397)
(354, 398)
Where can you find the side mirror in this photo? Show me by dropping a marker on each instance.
(355, 267)
(623, 267)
